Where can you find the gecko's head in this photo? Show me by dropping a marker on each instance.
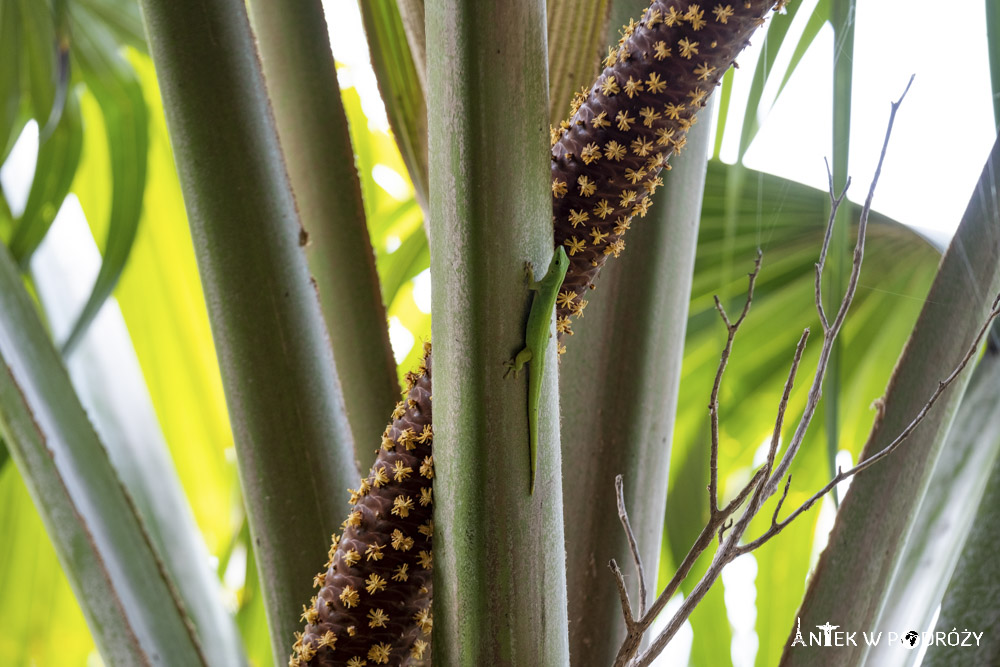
(560, 262)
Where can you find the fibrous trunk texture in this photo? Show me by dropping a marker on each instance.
(606, 163)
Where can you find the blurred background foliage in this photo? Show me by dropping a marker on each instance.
(82, 133)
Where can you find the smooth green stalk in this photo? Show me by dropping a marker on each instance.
(499, 587)
(302, 83)
(961, 476)
(972, 602)
(292, 436)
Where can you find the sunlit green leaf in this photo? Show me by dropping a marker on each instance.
(58, 157)
(115, 86)
(39, 56)
(10, 65)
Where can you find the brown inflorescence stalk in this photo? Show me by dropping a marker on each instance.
(606, 159)
(374, 602)
(373, 607)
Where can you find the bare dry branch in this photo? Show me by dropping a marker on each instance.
(816, 391)
(834, 205)
(623, 594)
(633, 547)
(713, 406)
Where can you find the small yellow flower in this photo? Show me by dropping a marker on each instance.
(309, 615)
(704, 71)
(425, 496)
(688, 48)
(328, 639)
(578, 217)
(627, 197)
(697, 95)
(652, 184)
(426, 434)
(374, 552)
(649, 116)
(574, 245)
(598, 236)
(426, 559)
(654, 84)
(614, 151)
(374, 584)
(653, 16)
(400, 471)
(399, 410)
(663, 136)
(642, 146)
(624, 120)
(578, 307)
(612, 57)
(602, 210)
(558, 188)
(590, 153)
(600, 120)
(632, 87)
(354, 518)
(319, 580)
(417, 652)
(722, 14)
(425, 619)
(661, 50)
(427, 467)
(377, 618)
(356, 662)
(563, 325)
(587, 186)
(351, 557)
(401, 574)
(379, 476)
(672, 17)
(400, 542)
(610, 86)
(623, 224)
(427, 529)
(694, 17)
(350, 597)
(634, 176)
(673, 111)
(379, 653)
(402, 505)
(565, 298)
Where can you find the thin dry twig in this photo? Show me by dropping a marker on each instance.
(633, 547)
(713, 405)
(623, 594)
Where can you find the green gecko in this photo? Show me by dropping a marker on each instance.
(536, 340)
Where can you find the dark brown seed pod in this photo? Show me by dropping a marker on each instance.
(606, 159)
(373, 605)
